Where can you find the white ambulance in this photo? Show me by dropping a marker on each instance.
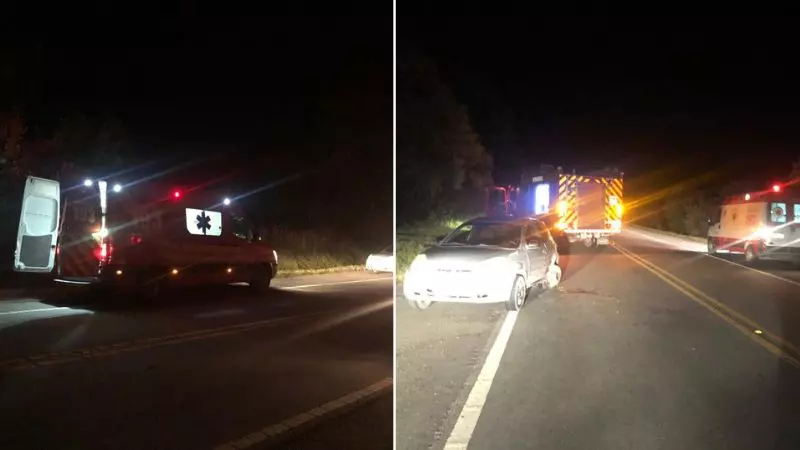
(761, 225)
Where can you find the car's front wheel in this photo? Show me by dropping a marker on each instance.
(519, 292)
(553, 277)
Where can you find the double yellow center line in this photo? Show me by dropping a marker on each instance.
(774, 343)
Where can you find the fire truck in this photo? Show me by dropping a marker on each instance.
(139, 238)
(586, 208)
(762, 225)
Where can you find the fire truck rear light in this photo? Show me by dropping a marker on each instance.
(562, 208)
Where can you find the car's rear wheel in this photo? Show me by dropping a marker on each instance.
(420, 304)
(519, 292)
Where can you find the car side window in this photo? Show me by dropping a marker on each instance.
(242, 228)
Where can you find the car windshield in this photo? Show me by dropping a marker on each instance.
(485, 234)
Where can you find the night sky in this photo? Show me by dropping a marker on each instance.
(187, 79)
(716, 94)
(252, 99)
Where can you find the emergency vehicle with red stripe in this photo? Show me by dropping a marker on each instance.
(763, 225)
(142, 237)
(585, 208)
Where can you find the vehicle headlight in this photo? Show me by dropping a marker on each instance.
(418, 263)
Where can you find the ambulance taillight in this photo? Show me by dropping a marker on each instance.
(776, 187)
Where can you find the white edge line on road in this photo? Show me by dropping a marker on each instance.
(24, 311)
(468, 419)
(752, 269)
(305, 286)
(308, 418)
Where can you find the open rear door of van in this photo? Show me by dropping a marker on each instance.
(37, 235)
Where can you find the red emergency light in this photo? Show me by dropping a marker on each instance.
(776, 187)
(177, 194)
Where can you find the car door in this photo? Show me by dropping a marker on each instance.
(37, 233)
(535, 249)
(550, 247)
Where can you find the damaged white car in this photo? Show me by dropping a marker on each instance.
(485, 260)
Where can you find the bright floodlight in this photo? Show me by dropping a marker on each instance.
(227, 201)
(87, 182)
(117, 187)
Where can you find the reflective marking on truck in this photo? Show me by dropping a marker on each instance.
(568, 192)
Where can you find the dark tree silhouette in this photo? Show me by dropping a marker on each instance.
(438, 152)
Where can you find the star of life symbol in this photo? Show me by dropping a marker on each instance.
(203, 222)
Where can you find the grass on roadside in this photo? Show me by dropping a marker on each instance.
(309, 252)
(414, 238)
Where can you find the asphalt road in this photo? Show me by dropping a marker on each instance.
(693, 352)
(203, 369)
